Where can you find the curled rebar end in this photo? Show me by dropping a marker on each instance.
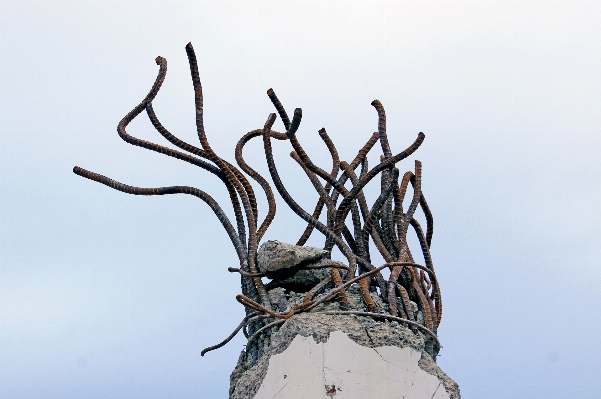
(159, 60)
(376, 103)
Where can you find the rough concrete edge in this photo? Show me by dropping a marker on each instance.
(427, 364)
(249, 381)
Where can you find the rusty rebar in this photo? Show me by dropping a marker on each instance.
(309, 296)
(257, 177)
(386, 222)
(216, 171)
(260, 330)
(221, 216)
(244, 196)
(242, 324)
(344, 206)
(382, 128)
(292, 203)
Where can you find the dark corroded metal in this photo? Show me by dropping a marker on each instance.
(344, 206)
(257, 177)
(246, 321)
(340, 191)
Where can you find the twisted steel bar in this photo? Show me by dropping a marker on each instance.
(382, 128)
(386, 222)
(406, 301)
(375, 232)
(309, 296)
(257, 177)
(310, 165)
(429, 220)
(356, 279)
(344, 206)
(152, 146)
(221, 216)
(331, 209)
(293, 204)
(216, 171)
(320, 203)
(245, 274)
(246, 202)
(279, 107)
(242, 324)
(428, 260)
(360, 159)
(323, 196)
(371, 217)
(260, 330)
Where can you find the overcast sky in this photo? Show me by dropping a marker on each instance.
(107, 295)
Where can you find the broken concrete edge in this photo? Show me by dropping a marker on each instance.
(246, 379)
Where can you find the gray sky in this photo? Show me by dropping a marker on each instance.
(103, 294)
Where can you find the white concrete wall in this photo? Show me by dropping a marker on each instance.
(342, 369)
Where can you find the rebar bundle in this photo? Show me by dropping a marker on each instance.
(385, 223)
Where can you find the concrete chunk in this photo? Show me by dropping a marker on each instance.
(276, 255)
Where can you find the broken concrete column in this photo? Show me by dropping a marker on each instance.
(324, 354)
(315, 355)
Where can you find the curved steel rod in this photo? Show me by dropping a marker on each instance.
(246, 202)
(257, 177)
(216, 171)
(344, 206)
(170, 190)
(279, 107)
(246, 321)
(428, 259)
(294, 205)
(386, 222)
(260, 330)
(358, 160)
(371, 217)
(382, 128)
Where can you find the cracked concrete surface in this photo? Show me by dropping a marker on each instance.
(347, 371)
